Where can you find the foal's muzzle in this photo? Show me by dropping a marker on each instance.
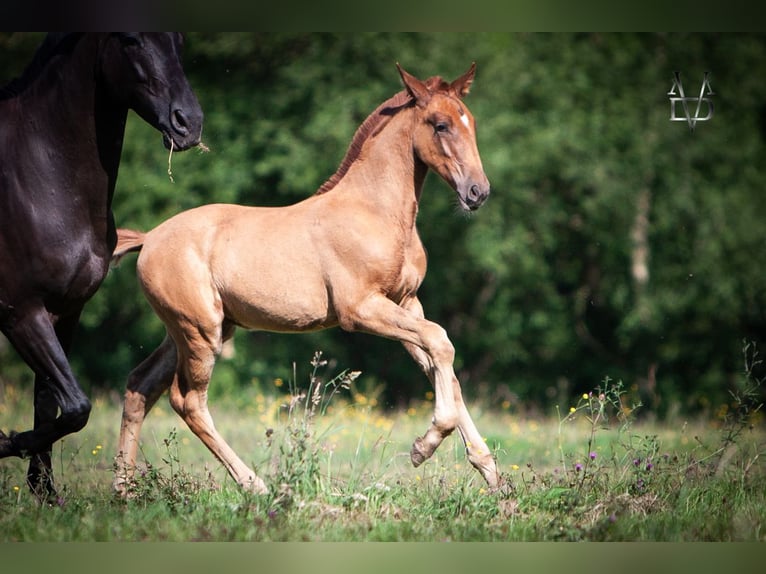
(474, 197)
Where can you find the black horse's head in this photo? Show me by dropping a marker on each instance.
(144, 71)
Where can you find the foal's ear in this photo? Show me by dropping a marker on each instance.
(415, 87)
(462, 85)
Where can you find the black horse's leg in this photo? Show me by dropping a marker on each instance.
(33, 336)
(40, 472)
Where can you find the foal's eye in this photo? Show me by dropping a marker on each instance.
(441, 127)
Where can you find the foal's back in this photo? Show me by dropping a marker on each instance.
(251, 266)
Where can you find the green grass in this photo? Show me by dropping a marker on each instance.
(338, 470)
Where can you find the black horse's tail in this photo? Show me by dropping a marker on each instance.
(128, 241)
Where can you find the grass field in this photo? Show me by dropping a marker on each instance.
(338, 469)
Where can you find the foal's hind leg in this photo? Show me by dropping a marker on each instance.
(478, 453)
(146, 383)
(188, 396)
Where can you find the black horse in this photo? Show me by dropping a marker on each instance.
(62, 124)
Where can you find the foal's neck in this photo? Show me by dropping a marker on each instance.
(388, 174)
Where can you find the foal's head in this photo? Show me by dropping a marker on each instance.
(445, 135)
(143, 71)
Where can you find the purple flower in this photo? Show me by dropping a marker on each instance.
(649, 466)
(592, 456)
(578, 467)
(636, 461)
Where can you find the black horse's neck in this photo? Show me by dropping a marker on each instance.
(78, 119)
(78, 125)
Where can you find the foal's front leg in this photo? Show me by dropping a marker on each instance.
(476, 448)
(381, 316)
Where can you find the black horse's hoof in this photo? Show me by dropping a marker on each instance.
(7, 448)
(40, 479)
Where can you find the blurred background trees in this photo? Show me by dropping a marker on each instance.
(615, 243)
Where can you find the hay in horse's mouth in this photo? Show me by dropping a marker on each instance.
(201, 146)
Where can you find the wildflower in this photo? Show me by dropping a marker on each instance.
(16, 489)
(572, 409)
(636, 461)
(578, 467)
(278, 382)
(649, 465)
(592, 456)
(514, 467)
(585, 396)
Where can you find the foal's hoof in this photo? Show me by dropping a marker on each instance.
(418, 454)
(255, 485)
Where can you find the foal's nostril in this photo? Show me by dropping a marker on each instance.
(474, 193)
(179, 122)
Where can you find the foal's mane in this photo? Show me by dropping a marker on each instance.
(375, 122)
(369, 127)
(53, 44)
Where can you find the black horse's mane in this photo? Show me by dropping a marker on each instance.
(53, 44)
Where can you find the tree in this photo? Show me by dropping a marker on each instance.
(615, 242)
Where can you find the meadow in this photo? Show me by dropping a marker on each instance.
(337, 465)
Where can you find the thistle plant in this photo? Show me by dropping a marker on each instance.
(296, 458)
(599, 408)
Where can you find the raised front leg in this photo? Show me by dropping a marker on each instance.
(33, 336)
(40, 472)
(476, 448)
(434, 352)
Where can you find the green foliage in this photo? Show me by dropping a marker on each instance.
(615, 242)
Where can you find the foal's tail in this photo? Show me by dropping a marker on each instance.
(128, 241)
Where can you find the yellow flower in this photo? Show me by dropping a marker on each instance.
(585, 396)
(94, 452)
(514, 467)
(16, 489)
(572, 409)
(278, 382)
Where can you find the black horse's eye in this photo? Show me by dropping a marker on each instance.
(129, 40)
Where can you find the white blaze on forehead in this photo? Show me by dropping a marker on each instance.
(464, 119)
